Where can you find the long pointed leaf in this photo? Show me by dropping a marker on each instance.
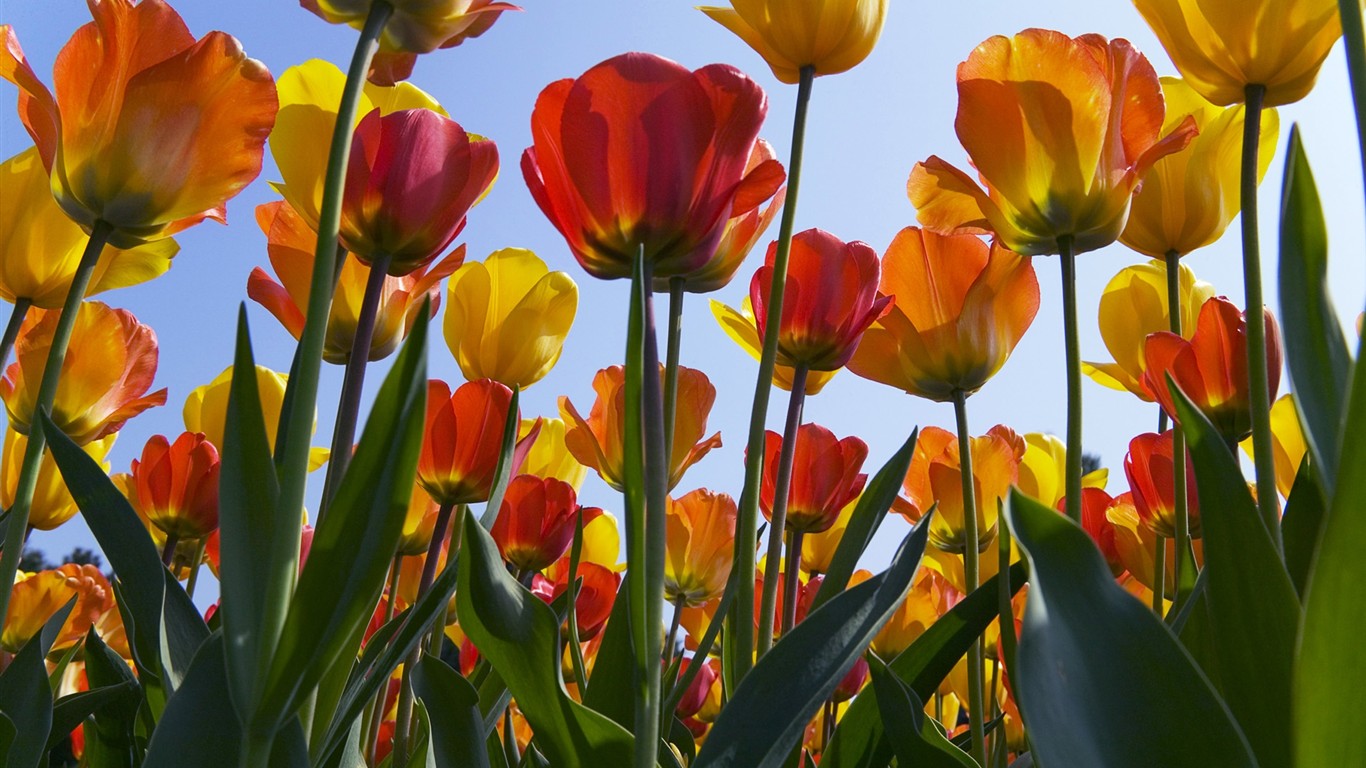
(25, 696)
(453, 703)
(915, 738)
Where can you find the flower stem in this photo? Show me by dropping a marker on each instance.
(676, 285)
(741, 634)
(1183, 534)
(791, 571)
(168, 549)
(971, 573)
(1354, 39)
(1071, 334)
(777, 523)
(16, 321)
(672, 640)
(19, 511)
(377, 707)
(348, 406)
(196, 565)
(1160, 575)
(403, 718)
(1258, 386)
(576, 649)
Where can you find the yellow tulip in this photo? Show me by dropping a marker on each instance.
(419, 523)
(206, 408)
(1187, 199)
(832, 36)
(1043, 469)
(548, 456)
(40, 247)
(928, 599)
(1287, 441)
(1223, 46)
(1133, 305)
(818, 549)
(52, 502)
(507, 318)
(741, 328)
(37, 596)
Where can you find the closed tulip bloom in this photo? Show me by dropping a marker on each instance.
(831, 299)
(1188, 199)
(40, 246)
(37, 596)
(596, 442)
(416, 26)
(535, 524)
(831, 36)
(177, 484)
(700, 545)
(547, 455)
(105, 375)
(413, 176)
(930, 597)
(1151, 472)
(1136, 547)
(825, 477)
(1043, 470)
(206, 408)
(507, 318)
(639, 152)
(742, 328)
(291, 250)
(463, 439)
(1211, 368)
(52, 501)
(960, 307)
(151, 131)
(597, 595)
(818, 549)
(1287, 440)
(1061, 131)
(419, 523)
(935, 477)
(1223, 46)
(1134, 306)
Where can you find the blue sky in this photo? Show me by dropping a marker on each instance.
(867, 128)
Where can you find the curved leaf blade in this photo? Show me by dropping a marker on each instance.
(26, 696)
(453, 703)
(921, 744)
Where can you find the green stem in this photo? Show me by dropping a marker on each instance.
(47, 392)
(1071, 334)
(575, 648)
(256, 748)
(777, 523)
(791, 583)
(195, 566)
(16, 321)
(1160, 575)
(1183, 533)
(1258, 387)
(377, 707)
(168, 549)
(1354, 38)
(510, 752)
(672, 640)
(971, 573)
(676, 285)
(1007, 608)
(403, 718)
(741, 634)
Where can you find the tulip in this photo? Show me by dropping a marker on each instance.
(52, 502)
(1061, 131)
(596, 442)
(741, 327)
(1134, 306)
(35, 597)
(596, 595)
(151, 131)
(586, 171)
(825, 477)
(1136, 547)
(177, 485)
(1188, 199)
(508, 317)
(206, 408)
(827, 36)
(1095, 505)
(1150, 468)
(601, 544)
(462, 440)
(547, 455)
(818, 549)
(928, 599)
(536, 521)
(934, 478)
(960, 307)
(40, 247)
(104, 380)
(1042, 470)
(700, 546)
(1287, 438)
(291, 248)
(699, 691)
(413, 176)
(419, 522)
(1211, 368)
(1224, 46)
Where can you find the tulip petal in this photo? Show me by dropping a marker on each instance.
(37, 108)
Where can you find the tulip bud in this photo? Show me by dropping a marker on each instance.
(177, 485)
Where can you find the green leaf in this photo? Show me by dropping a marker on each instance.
(860, 740)
(26, 696)
(868, 514)
(1305, 511)
(1250, 593)
(354, 545)
(72, 710)
(134, 558)
(453, 702)
(915, 738)
(1102, 680)
(112, 732)
(612, 683)
(502, 472)
(1316, 351)
(765, 718)
(520, 637)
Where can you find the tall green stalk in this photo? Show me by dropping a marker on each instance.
(1259, 388)
(1354, 37)
(1183, 523)
(16, 321)
(676, 286)
(740, 637)
(1072, 338)
(777, 522)
(972, 575)
(47, 392)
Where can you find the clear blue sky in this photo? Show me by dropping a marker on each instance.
(868, 127)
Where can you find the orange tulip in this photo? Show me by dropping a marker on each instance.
(37, 596)
(700, 546)
(535, 524)
(639, 152)
(825, 477)
(930, 597)
(291, 249)
(1211, 368)
(463, 439)
(413, 176)
(597, 594)
(1136, 545)
(177, 485)
(935, 477)
(107, 371)
(597, 440)
(831, 299)
(419, 523)
(1061, 130)
(1151, 471)
(960, 307)
(151, 131)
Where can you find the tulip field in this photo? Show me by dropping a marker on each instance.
(518, 434)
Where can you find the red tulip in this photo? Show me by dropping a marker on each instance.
(535, 524)
(177, 485)
(1151, 474)
(825, 477)
(463, 438)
